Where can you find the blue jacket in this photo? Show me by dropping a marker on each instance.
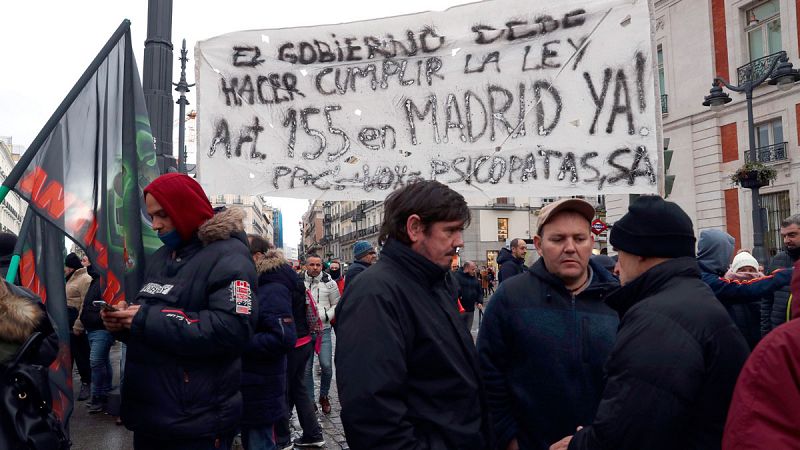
(742, 299)
(264, 358)
(542, 353)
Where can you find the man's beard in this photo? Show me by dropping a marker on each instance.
(794, 252)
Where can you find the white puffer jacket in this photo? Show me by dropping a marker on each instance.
(326, 294)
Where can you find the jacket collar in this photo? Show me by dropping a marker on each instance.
(225, 224)
(417, 265)
(309, 279)
(271, 261)
(650, 282)
(601, 278)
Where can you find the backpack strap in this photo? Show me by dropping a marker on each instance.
(30, 346)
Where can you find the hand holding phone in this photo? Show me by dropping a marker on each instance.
(103, 305)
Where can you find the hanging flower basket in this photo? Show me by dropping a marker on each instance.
(753, 175)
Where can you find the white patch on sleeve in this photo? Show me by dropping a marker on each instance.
(155, 288)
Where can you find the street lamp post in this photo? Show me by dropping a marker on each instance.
(783, 78)
(182, 86)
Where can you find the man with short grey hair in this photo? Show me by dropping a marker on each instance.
(775, 307)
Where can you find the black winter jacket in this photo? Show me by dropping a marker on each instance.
(352, 272)
(672, 371)
(406, 367)
(774, 307)
(183, 366)
(542, 353)
(90, 314)
(509, 266)
(264, 358)
(469, 290)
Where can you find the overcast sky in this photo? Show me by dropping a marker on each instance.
(46, 45)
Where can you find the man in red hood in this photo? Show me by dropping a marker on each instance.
(188, 324)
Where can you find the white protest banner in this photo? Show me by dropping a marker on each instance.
(503, 98)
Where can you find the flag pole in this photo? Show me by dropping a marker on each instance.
(13, 267)
(23, 163)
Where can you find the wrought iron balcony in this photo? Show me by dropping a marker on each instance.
(756, 68)
(664, 107)
(768, 154)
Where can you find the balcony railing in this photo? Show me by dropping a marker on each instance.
(770, 153)
(755, 68)
(664, 106)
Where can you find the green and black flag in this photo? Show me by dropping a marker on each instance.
(85, 171)
(41, 246)
(83, 178)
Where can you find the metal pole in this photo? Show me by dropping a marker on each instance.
(183, 87)
(157, 79)
(759, 252)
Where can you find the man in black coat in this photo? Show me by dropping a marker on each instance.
(364, 255)
(512, 262)
(775, 307)
(470, 292)
(671, 374)
(188, 324)
(406, 368)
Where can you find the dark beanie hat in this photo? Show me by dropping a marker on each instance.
(73, 261)
(184, 201)
(654, 227)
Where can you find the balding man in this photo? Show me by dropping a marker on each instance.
(512, 261)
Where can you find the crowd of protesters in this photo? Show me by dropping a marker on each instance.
(651, 350)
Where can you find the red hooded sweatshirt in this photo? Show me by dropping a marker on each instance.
(765, 409)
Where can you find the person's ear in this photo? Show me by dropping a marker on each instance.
(415, 228)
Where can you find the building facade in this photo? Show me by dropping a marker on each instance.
(13, 209)
(312, 229)
(492, 226)
(697, 40)
(258, 214)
